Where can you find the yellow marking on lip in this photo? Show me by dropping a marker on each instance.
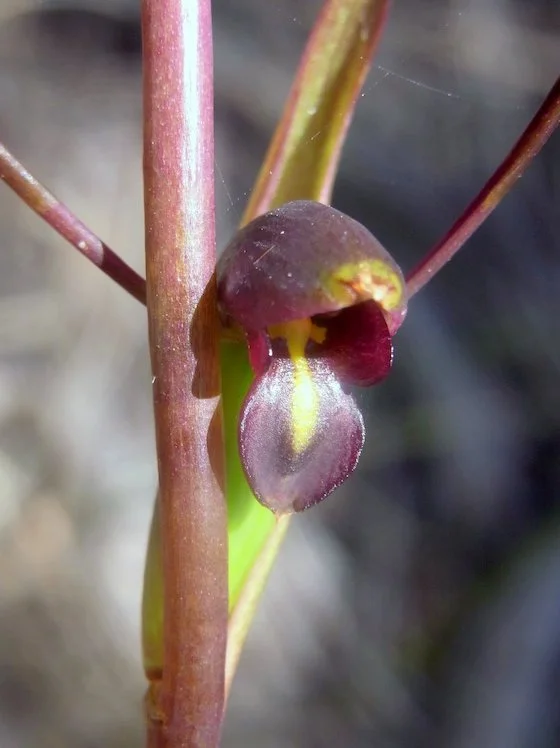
(304, 404)
(361, 281)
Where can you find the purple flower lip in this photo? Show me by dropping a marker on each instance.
(286, 478)
(319, 300)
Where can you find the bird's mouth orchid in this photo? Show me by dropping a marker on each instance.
(318, 299)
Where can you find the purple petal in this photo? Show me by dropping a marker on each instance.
(304, 259)
(358, 344)
(300, 435)
(260, 351)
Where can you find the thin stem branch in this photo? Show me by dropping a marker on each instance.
(57, 215)
(529, 144)
(186, 707)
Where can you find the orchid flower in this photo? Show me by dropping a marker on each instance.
(313, 294)
(319, 300)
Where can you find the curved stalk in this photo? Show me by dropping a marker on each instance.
(62, 220)
(512, 168)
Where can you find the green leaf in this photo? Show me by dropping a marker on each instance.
(249, 523)
(300, 164)
(303, 156)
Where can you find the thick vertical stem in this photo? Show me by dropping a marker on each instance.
(185, 707)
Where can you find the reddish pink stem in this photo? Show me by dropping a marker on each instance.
(186, 703)
(529, 144)
(57, 215)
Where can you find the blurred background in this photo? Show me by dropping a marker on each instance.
(420, 605)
